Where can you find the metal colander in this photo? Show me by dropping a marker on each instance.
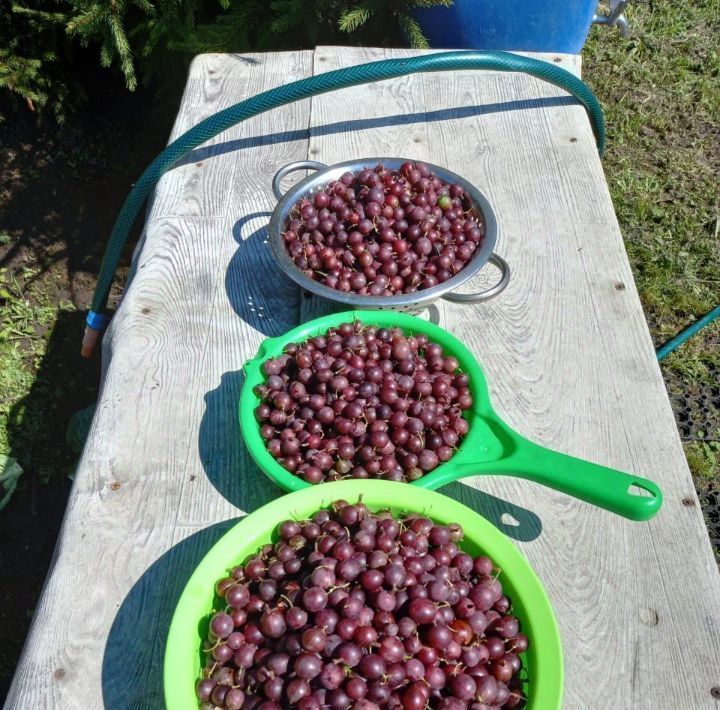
(409, 302)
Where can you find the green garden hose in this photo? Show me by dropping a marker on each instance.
(302, 89)
(674, 343)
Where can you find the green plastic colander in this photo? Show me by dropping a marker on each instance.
(542, 661)
(489, 447)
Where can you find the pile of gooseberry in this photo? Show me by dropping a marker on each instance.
(362, 610)
(363, 402)
(382, 232)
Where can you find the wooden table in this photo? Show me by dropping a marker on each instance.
(566, 350)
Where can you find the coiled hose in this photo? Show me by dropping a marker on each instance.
(302, 89)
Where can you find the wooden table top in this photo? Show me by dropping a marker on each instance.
(565, 348)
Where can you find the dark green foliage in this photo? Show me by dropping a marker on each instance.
(40, 39)
(31, 41)
(128, 32)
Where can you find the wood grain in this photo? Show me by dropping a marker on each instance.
(565, 348)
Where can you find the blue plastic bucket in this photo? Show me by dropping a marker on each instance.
(521, 25)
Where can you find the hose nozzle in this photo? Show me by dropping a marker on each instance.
(94, 325)
(89, 341)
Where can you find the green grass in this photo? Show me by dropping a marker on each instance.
(704, 458)
(660, 88)
(27, 314)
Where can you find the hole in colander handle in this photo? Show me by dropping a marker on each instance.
(291, 168)
(499, 287)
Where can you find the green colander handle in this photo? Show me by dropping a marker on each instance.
(631, 496)
(508, 453)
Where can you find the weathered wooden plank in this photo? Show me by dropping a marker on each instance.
(165, 458)
(570, 364)
(219, 171)
(349, 124)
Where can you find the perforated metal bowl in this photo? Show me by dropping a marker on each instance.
(411, 302)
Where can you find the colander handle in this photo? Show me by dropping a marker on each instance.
(291, 168)
(622, 493)
(499, 287)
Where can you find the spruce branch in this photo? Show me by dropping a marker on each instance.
(354, 19)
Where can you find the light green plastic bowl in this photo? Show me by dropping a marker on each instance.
(542, 662)
(490, 447)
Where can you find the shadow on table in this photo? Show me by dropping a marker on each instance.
(223, 454)
(447, 114)
(257, 290)
(246, 60)
(132, 665)
(513, 520)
